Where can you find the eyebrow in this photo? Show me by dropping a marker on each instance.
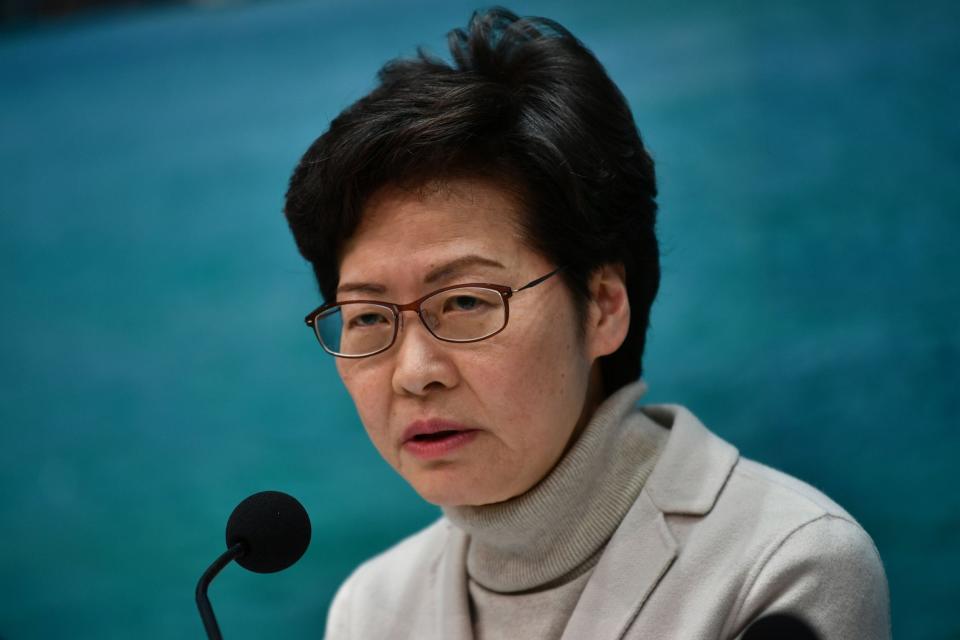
(460, 264)
(441, 272)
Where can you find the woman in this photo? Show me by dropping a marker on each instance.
(484, 236)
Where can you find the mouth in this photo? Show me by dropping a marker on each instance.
(432, 439)
(435, 437)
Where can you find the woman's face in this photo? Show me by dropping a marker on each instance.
(504, 408)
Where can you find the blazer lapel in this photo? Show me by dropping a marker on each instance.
(687, 479)
(637, 556)
(694, 467)
(451, 589)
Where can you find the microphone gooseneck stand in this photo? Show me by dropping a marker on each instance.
(203, 602)
(267, 532)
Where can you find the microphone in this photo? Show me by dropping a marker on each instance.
(780, 626)
(266, 533)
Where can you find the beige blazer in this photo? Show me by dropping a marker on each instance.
(712, 542)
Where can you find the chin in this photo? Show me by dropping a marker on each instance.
(446, 490)
(444, 497)
(447, 493)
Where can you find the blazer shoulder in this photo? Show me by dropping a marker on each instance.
(828, 571)
(811, 557)
(791, 495)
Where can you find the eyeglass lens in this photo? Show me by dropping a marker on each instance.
(463, 314)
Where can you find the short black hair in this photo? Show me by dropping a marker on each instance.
(524, 103)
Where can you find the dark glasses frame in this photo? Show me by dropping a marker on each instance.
(505, 292)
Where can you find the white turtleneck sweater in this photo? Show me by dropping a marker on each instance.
(530, 557)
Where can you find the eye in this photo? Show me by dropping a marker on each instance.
(370, 319)
(463, 303)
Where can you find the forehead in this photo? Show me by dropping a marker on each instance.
(440, 217)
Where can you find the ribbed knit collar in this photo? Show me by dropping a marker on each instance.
(554, 532)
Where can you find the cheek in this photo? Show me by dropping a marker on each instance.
(553, 353)
(365, 386)
(537, 378)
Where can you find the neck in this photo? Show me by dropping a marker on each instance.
(591, 403)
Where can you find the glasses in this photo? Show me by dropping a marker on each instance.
(460, 313)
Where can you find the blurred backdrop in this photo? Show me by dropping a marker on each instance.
(154, 365)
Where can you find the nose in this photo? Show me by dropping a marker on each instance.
(422, 363)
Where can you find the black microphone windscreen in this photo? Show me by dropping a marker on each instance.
(780, 626)
(273, 528)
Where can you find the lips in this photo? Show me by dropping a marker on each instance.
(428, 439)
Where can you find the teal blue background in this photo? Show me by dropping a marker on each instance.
(154, 368)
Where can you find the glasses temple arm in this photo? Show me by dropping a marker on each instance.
(534, 283)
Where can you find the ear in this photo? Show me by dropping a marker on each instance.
(608, 311)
